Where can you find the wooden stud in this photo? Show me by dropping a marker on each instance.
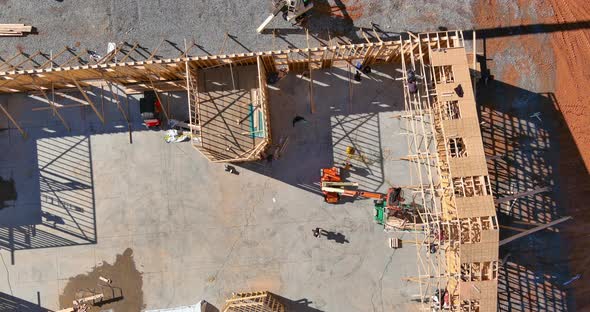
(117, 102)
(29, 59)
(88, 100)
(102, 99)
(159, 99)
(349, 88)
(533, 230)
(22, 132)
(9, 60)
(112, 55)
(365, 36)
(222, 50)
(311, 103)
(376, 34)
(153, 54)
(128, 54)
(185, 53)
(55, 112)
(53, 57)
(75, 57)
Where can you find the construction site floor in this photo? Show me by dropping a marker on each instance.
(170, 228)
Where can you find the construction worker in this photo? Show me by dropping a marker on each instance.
(459, 91)
(230, 169)
(316, 232)
(347, 165)
(298, 119)
(357, 76)
(411, 76)
(413, 87)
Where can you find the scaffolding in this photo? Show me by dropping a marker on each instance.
(457, 242)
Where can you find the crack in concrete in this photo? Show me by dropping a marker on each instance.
(7, 275)
(381, 283)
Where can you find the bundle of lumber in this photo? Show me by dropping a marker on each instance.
(9, 30)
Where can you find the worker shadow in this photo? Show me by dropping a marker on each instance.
(352, 172)
(12, 303)
(334, 236)
(529, 146)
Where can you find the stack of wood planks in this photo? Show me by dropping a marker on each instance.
(14, 30)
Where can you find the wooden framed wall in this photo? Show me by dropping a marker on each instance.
(463, 223)
(261, 301)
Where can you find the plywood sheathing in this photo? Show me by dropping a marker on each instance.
(462, 226)
(482, 294)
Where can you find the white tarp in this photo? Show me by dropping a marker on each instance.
(199, 307)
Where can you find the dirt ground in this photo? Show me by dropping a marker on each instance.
(545, 48)
(126, 284)
(572, 59)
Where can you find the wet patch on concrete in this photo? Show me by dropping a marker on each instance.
(7, 192)
(124, 293)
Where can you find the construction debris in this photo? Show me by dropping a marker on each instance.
(14, 30)
(293, 11)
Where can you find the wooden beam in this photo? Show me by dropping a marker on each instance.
(155, 51)
(30, 58)
(108, 56)
(159, 99)
(52, 58)
(188, 92)
(129, 53)
(75, 57)
(52, 105)
(88, 100)
(523, 194)
(22, 132)
(238, 299)
(185, 53)
(365, 36)
(376, 34)
(311, 103)
(222, 50)
(533, 230)
(57, 106)
(116, 97)
(349, 88)
(112, 55)
(474, 64)
(7, 62)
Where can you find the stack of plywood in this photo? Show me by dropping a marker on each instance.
(9, 30)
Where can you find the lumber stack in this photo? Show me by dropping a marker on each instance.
(14, 30)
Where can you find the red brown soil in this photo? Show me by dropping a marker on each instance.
(571, 86)
(352, 9)
(572, 57)
(126, 282)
